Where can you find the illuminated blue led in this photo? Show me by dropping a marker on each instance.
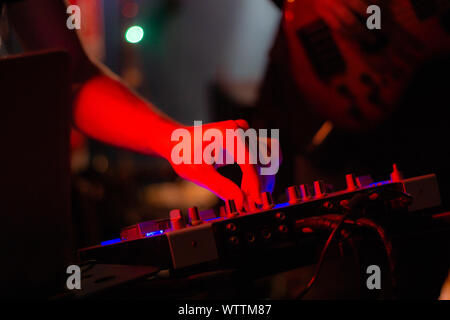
(154, 233)
(281, 205)
(212, 219)
(377, 184)
(105, 243)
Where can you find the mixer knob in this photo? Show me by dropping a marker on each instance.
(267, 200)
(319, 189)
(176, 219)
(230, 208)
(350, 180)
(293, 194)
(303, 192)
(194, 216)
(396, 175)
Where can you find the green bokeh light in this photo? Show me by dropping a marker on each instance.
(134, 34)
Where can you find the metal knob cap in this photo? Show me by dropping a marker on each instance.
(319, 189)
(267, 200)
(293, 194)
(194, 216)
(303, 192)
(176, 219)
(350, 180)
(230, 208)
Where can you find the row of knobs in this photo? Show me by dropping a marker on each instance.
(301, 193)
(295, 194)
(177, 221)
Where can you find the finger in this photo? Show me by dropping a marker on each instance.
(242, 123)
(250, 205)
(251, 184)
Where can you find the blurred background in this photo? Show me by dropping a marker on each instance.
(192, 59)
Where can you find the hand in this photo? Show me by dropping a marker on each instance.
(341, 14)
(205, 174)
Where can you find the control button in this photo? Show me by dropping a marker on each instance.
(266, 234)
(293, 194)
(230, 208)
(344, 204)
(307, 230)
(328, 205)
(350, 180)
(304, 194)
(234, 240)
(319, 189)
(231, 227)
(396, 175)
(281, 216)
(176, 219)
(194, 216)
(267, 200)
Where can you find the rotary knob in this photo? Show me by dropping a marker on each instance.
(267, 201)
(396, 175)
(303, 192)
(319, 189)
(194, 216)
(350, 181)
(176, 219)
(293, 194)
(230, 208)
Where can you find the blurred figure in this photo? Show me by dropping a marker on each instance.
(410, 133)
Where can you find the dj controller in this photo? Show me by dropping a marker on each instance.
(228, 237)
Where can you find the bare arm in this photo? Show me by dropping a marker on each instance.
(105, 109)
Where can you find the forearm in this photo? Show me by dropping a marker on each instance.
(105, 109)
